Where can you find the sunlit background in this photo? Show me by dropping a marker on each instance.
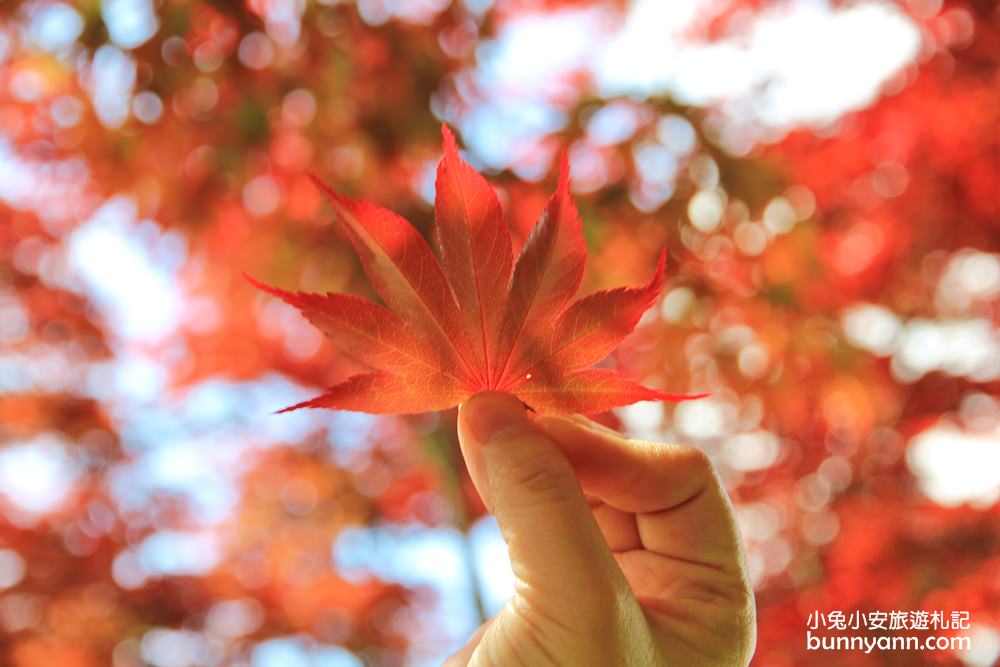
(824, 175)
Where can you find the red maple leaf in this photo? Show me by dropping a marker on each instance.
(477, 320)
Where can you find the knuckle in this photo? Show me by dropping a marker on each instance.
(536, 476)
(700, 461)
(694, 461)
(701, 473)
(689, 469)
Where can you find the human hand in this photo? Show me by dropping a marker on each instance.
(624, 552)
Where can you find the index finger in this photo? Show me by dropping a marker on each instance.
(630, 475)
(680, 508)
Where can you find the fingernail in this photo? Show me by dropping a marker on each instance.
(493, 415)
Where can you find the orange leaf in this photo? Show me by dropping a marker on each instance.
(475, 248)
(474, 322)
(382, 393)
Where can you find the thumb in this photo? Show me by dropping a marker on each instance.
(554, 543)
